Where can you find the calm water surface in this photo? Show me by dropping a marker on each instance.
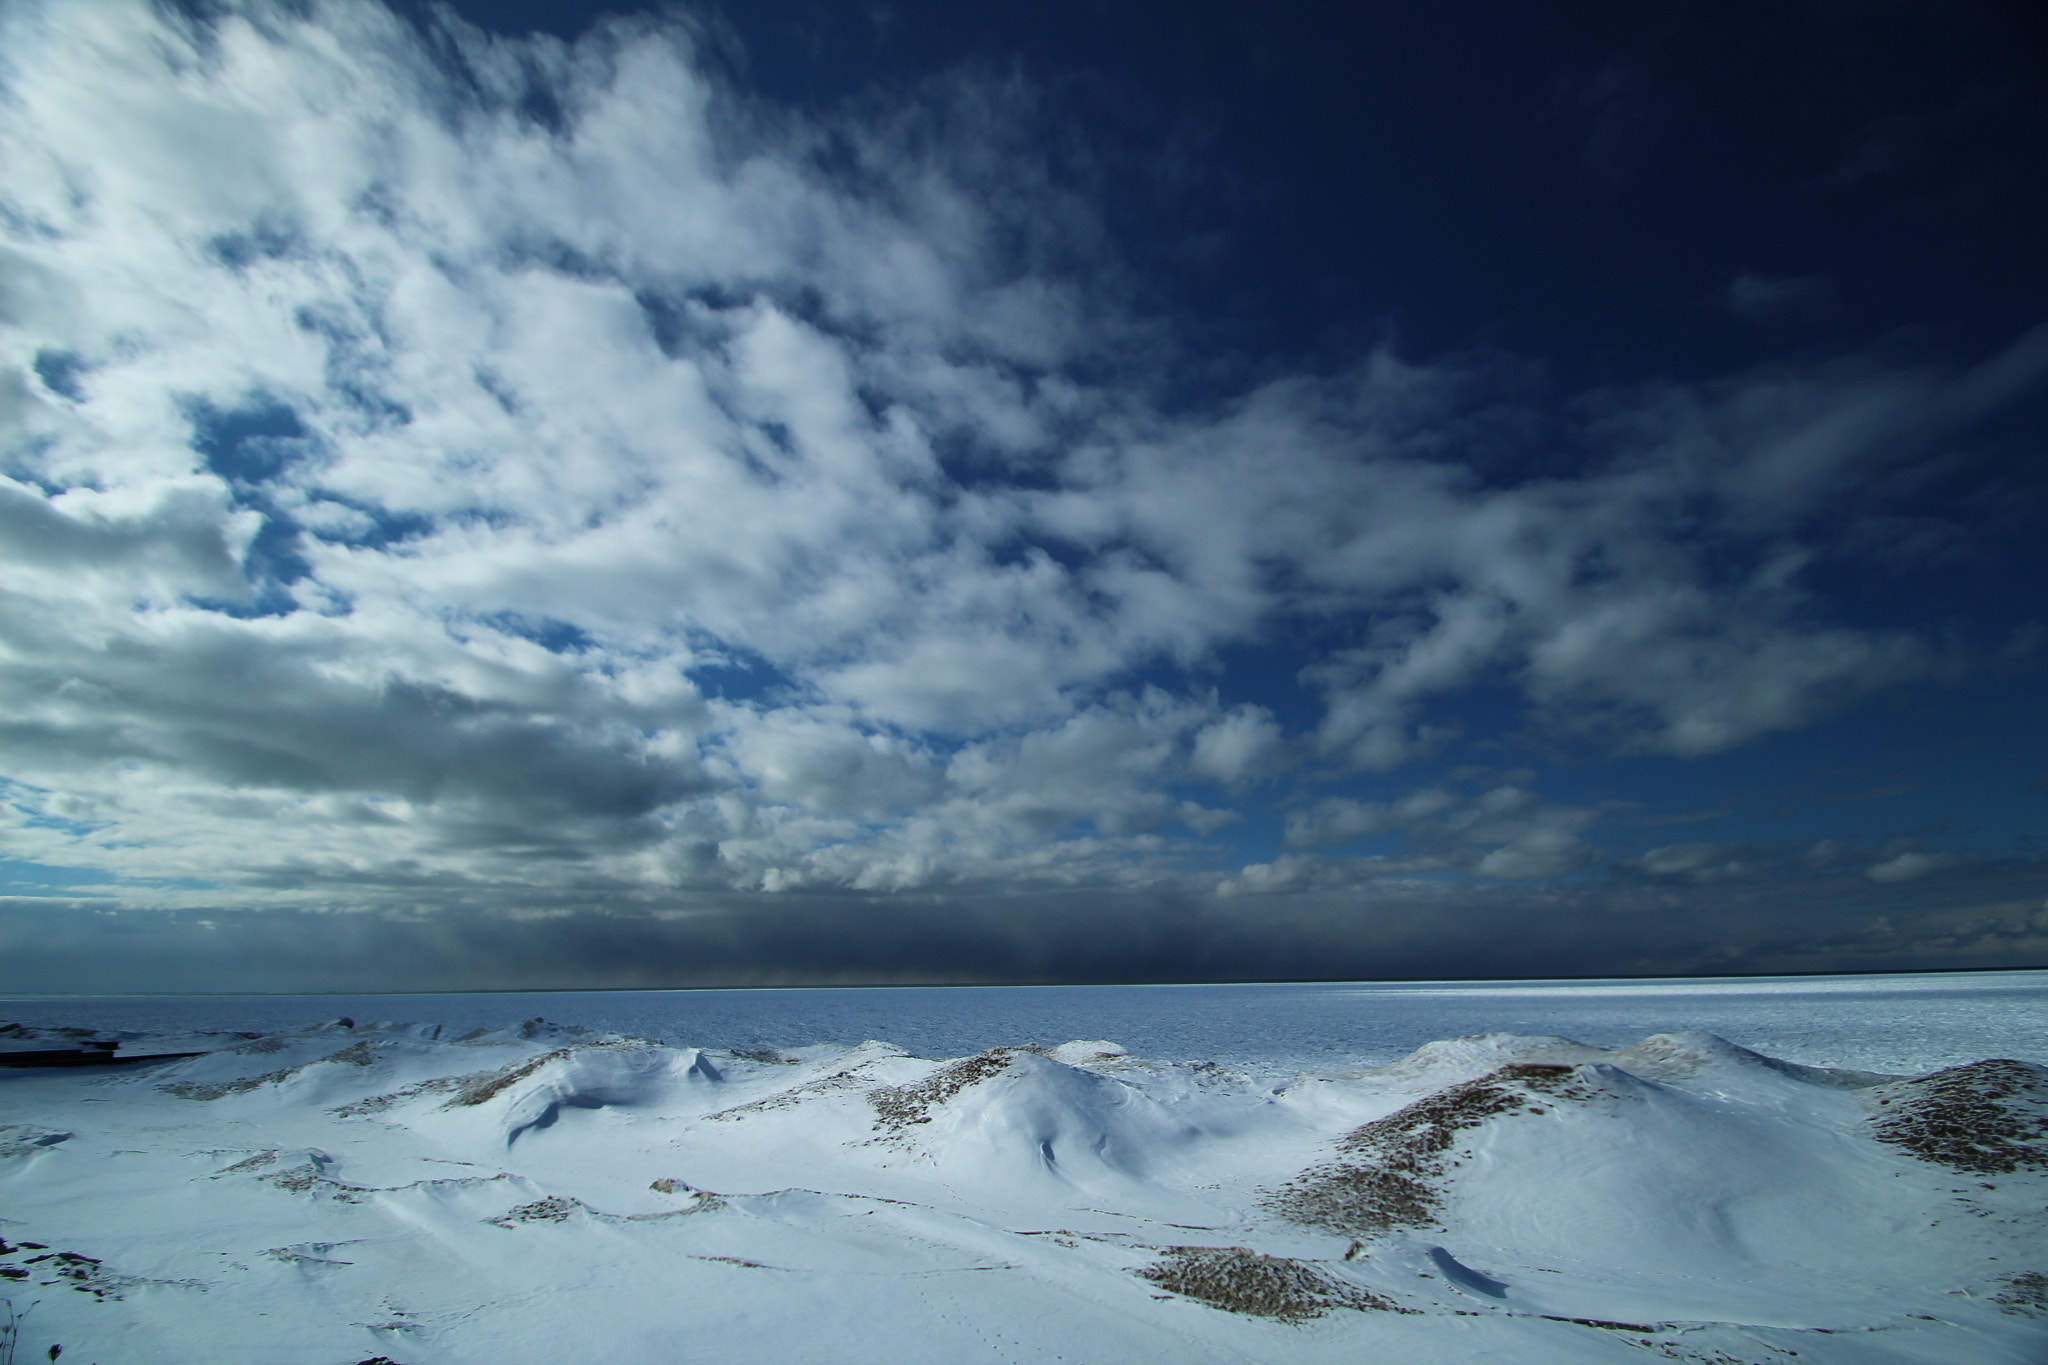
(1882, 1023)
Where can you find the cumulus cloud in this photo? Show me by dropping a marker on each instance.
(493, 473)
(1241, 746)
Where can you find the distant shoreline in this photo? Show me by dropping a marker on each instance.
(1395, 982)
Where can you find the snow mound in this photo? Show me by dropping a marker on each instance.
(535, 1029)
(542, 1192)
(593, 1078)
(1678, 1192)
(1390, 1173)
(1660, 1057)
(1681, 1055)
(1986, 1118)
(1469, 1058)
(1017, 1110)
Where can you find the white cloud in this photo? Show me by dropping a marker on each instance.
(1695, 860)
(1244, 746)
(403, 494)
(1911, 866)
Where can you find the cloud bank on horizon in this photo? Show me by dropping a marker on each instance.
(543, 505)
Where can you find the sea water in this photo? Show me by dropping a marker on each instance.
(1906, 1024)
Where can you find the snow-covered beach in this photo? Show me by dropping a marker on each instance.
(354, 1191)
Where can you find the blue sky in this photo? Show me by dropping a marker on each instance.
(521, 495)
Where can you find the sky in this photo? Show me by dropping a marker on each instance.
(533, 495)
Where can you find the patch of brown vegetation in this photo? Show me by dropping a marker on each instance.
(213, 1090)
(1240, 1280)
(250, 1163)
(702, 1201)
(842, 1079)
(314, 1255)
(52, 1269)
(377, 1104)
(1603, 1324)
(356, 1054)
(297, 1179)
(29, 1139)
(1385, 1179)
(2025, 1293)
(1065, 1237)
(86, 1274)
(553, 1209)
(310, 1177)
(1987, 1118)
(900, 1106)
(474, 1090)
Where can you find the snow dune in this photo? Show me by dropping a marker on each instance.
(541, 1194)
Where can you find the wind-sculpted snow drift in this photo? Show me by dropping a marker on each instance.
(541, 1194)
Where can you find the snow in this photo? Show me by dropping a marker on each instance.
(346, 1193)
